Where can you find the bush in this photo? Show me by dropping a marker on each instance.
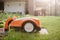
(1, 22)
(1, 25)
(4, 16)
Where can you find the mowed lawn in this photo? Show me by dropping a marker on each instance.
(51, 23)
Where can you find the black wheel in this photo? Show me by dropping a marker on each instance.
(6, 30)
(28, 26)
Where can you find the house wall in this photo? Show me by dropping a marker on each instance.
(14, 0)
(14, 6)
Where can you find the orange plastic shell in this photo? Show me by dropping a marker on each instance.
(18, 23)
(6, 23)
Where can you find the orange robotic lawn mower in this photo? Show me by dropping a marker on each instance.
(27, 24)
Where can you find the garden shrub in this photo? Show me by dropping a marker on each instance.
(1, 22)
(1, 25)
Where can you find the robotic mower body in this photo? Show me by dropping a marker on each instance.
(26, 24)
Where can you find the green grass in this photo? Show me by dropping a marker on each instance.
(51, 23)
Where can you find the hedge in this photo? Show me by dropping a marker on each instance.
(1, 25)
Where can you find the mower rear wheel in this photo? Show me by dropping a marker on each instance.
(29, 26)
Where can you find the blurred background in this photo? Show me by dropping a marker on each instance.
(48, 7)
(31, 7)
